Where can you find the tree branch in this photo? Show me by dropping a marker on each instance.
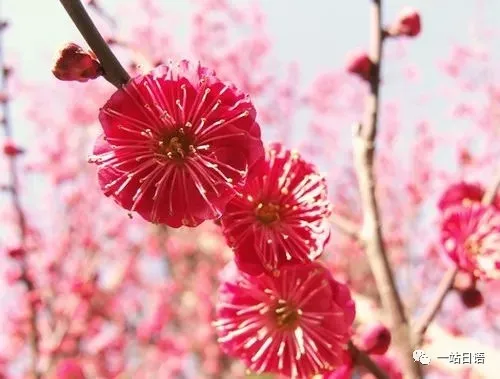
(364, 152)
(435, 305)
(489, 196)
(363, 359)
(113, 70)
(437, 343)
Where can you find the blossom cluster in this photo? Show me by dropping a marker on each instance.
(181, 147)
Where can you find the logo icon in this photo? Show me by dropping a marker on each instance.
(420, 356)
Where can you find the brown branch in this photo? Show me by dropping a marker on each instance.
(438, 340)
(490, 195)
(363, 359)
(364, 152)
(14, 189)
(446, 283)
(434, 306)
(113, 70)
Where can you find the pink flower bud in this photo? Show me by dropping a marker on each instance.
(408, 24)
(376, 339)
(16, 252)
(73, 63)
(10, 149)
(360, 64)
(471, 298)
(464, 281)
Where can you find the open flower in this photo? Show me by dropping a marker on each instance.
(297, 324)
(177, 144)
(281, 217)
(461, 193)
(471, 237)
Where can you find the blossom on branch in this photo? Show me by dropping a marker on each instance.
(360, 64)
(462, 193)
(470, 236)
(408, 24)
(281, 216)
(297, 324)
(178, 144)
(73, 63)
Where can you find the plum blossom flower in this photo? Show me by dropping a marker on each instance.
(281, 217)
(177, 144)
(297, 324)
(461, 193)
(470, 236)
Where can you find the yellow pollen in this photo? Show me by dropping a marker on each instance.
(176, 146)
(286, 315)
(472, 246)
(467, 202)
(267, 213)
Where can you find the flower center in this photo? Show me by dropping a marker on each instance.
(472, 246)
(267, 213)
(176, 146)
(286, 315)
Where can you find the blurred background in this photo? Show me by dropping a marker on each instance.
(126, 299)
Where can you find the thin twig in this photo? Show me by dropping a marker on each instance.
(446, 283)
(113, 70)
(363, 359)
(364, 153)
(491, 193)
(14, 189)
(435, 305)
(346, 226)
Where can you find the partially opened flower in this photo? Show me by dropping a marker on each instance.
(297, 324)
(281, 217)
(471, 237)
(177, 144)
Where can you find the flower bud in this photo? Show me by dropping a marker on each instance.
(360, 64)
(376, 339)
(408, 24)
(464, 281)
(16, 252)
(73, 63)
(10, 149)
(471, 298)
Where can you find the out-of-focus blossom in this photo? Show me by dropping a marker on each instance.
(470, 235)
